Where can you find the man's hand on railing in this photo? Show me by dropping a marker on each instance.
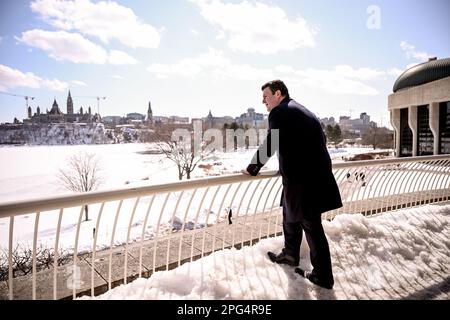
(262, 172)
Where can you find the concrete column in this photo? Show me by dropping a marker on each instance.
(434, 125)
(412, 122)
(395, 122)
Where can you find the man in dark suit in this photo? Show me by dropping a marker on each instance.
(309, 186)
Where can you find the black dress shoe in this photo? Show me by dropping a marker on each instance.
(282, 258)
(313, 278)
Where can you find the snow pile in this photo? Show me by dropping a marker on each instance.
(403, 254)
(339, 155)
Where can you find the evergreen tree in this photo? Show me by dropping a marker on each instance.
(329, 132)
(337, 135)
(334, 134)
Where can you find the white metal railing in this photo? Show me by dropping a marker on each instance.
(137, 231)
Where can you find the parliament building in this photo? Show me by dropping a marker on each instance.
(55, 115)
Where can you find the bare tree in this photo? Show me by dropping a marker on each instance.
(182, 153)
(22, 260)
(81, 174)
(378, 137)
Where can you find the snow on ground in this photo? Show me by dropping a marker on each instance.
(30, 171)
(403, 254)
(379, 257)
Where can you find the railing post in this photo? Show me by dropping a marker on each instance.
(55, 261)
(94, 247)
(10, 264)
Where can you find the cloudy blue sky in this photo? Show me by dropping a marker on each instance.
(191, 56)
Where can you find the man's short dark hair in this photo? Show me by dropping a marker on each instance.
(275, 85)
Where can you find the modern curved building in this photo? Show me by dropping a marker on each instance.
(420, 109)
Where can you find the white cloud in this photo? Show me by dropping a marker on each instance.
(284, 69)
(62, 45)
(55, 84)
(410, 65)
(211, 63)
(120, 58)
(256, 27)
(360, 73)
(104, 20)
(11, 78)
(395, 72)
(78, 83)
(412, 53)
(194, 32)
(116, 76)
(1, 40)
(341, 79)
(220, 35)
(334, 81)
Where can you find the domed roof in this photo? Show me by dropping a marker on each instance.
(423, 73)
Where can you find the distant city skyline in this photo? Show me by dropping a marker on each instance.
(74, 109)
(191, 56)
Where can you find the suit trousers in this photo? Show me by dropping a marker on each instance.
(311, 224)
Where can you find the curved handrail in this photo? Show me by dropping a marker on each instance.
(14, 208)
(387, 185)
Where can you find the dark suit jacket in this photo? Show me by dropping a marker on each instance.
(309, 186)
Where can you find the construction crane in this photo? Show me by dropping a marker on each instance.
(92, 97)
(19, 95)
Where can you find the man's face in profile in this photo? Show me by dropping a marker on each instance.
(271, 100)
